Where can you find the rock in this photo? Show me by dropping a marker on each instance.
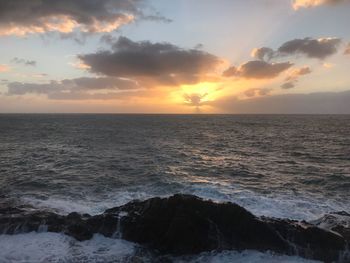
(185, 224)
(338, 222)
(309, 241)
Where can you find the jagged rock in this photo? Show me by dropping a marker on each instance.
(338, 222)
(185, 224)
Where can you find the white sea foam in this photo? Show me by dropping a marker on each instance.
(281, 205)
(93, 206)
(53, 247)
(247, 256)
(277, 205)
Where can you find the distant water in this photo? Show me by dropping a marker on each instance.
(290, 166)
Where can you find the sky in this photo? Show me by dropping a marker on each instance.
(184, 56)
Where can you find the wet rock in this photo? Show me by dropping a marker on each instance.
(185, 224)
(309, 241)
(338, 222)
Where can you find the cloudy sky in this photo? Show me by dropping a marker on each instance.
(184, 56)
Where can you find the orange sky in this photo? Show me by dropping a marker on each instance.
(183, 57)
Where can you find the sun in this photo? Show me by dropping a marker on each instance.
(206, 91)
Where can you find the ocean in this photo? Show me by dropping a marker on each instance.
(284, 166)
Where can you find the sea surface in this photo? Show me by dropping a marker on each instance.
(286, 166)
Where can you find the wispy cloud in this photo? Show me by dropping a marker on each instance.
(294, 75)
(24, 62)
(79, 88)
(297, 4)
(313, 103)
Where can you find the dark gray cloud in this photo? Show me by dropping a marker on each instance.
(312, 48)
(20, 17)
(257, 92)
(108, 39)
(258, 69)
(73, 88)
(231, 72)
(24, 62)
(288, 85)
(314, 103)
(264, 53)
(164, 63)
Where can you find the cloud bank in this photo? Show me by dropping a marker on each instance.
(158, 63)
(22, 17)
(314, 103)
(79, 88)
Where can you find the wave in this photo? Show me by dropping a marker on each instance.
(281, 205)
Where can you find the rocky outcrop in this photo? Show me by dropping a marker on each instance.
(185, 224)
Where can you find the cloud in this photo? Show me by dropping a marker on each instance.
(40, 75)
(24, 62)
(160, 63)
(312, 48)
(264, 53)
(22, 17)
(82, 88)
(288, 85)
(297, 4)
(194, 99)
(296, 73)
(293, 77)
(328, 65)
(258, 70)
(347, 50)
(80, 95)
(4, 68)
(314, 103)
(257, 92)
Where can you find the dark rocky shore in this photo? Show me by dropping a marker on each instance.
(185, 224)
